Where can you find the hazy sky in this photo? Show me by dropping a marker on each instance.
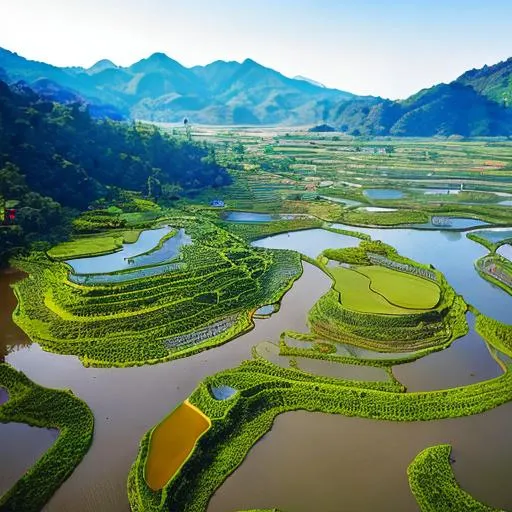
(388, 48)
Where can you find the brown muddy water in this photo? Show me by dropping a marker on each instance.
(11, 336)
(328, 463)
(307, 462)
(465, 362)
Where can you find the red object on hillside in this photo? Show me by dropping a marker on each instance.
(9, 215)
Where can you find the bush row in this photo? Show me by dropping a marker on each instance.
(434, 486)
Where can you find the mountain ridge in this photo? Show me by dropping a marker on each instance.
(159, 88)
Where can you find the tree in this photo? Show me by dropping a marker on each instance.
(239, 150)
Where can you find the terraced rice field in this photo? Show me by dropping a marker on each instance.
(195, 295)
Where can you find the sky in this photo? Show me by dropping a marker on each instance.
(390, 49)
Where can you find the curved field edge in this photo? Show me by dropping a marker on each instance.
(490, 245)
(93, 245)
(158, 246)
(434, 486)
(479, 266)
(264, 391)
(49, 408)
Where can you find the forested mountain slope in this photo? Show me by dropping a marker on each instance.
(55, 158)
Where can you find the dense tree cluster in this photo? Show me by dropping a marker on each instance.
(54, 158)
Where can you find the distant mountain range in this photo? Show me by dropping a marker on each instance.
(161, 89)
(479, 103)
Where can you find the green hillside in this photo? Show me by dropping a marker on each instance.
(494, 82)
(56, 160)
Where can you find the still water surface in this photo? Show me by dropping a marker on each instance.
(308, 461)
(20, 447)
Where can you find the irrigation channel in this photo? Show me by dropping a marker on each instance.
(308, 461)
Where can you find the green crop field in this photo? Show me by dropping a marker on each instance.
(401, 289)
(92, 246)
(356, 293)
(380, 290)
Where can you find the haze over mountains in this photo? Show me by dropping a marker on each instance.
(479, 103)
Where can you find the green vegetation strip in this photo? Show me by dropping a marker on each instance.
(488, 244)
(392, 218)
(87, 246)
(42, 407)
(495, 332)
(497, 270)
(434, 485)
(254, 231)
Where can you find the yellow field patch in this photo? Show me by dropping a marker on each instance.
(172, 441)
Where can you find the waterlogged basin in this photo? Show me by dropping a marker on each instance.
(119, 260)
(440, 191)
(351, 350)
(465, 362)
(505, 251)
(270, 352)
(495, 235)
(310, 242)
(134, 264)
(171, 443)
(383, 193)
(346, 202)
(92, 279)
(265, 310)
(454, 223)
(248, 217)
(22, 446)
(341, 371)
(222, 392)
(169, 250)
